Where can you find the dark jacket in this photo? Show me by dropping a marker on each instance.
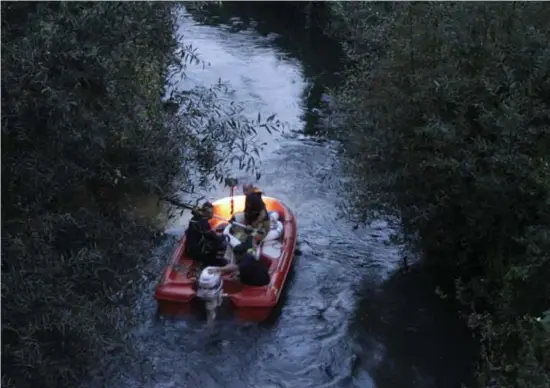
(253, 206)
(252, 272)
(201, 240)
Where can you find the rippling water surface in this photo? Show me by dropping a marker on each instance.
(310, 343)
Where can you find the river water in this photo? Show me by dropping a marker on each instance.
(323, 335)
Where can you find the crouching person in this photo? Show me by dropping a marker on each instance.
(202, 243)
(251, 271)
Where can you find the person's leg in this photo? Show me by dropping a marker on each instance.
(222, 250)
(238, 231)
(214, 261)
(221, 246)
(215, 256)
(263, 230)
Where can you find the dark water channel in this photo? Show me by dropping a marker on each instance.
(340, 324)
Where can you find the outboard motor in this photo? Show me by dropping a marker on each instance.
(210, 289)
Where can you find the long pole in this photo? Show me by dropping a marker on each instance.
(232, 201)
(176, 202)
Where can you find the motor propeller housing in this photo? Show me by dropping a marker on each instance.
(210, 289)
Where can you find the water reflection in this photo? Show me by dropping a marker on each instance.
(425, 343)
(321, 57)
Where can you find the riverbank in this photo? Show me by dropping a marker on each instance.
(74, 135)
(87, 143)
(451, 100)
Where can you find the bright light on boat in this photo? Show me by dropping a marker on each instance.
(222, 207)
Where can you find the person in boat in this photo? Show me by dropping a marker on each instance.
(255, 211)
(251, 271)
(202, 243)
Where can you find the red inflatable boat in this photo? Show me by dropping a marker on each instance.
(177, 289)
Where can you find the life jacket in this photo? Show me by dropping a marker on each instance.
(254, 205)
(252, 272)
(197, 241)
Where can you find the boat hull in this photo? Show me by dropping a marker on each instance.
(176, 293)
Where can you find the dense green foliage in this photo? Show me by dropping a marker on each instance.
(454, 99)
(85, 134)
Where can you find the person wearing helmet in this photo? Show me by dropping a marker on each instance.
(202, 243)
(255, 211)
(251, 271)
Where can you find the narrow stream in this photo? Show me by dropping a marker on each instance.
(314, 341)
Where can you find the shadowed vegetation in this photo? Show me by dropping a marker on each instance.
(85, 135)
(448, 109)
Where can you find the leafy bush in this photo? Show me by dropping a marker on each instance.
(454, 100)
(85, 134)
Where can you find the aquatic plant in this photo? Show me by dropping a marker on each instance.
(453, 99)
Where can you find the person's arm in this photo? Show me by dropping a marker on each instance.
(261, 217)
(207, 231)
(226, 269)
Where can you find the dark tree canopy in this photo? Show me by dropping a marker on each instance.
(82, 129)
(454, 100)
(85, 133)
